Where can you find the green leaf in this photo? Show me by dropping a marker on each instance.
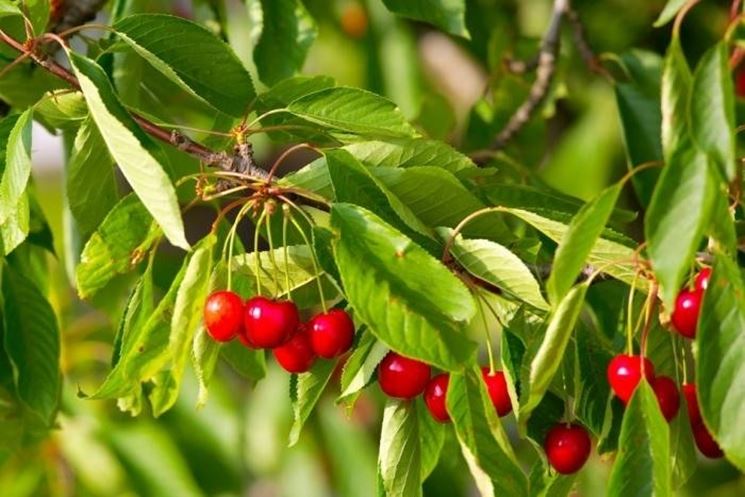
(38, 14)
(415, 187)
(288, 31)
(116, 246)
(31, 342)
(249, 363)
(305, 390)
(61, 109)
(712, 109)
(448, 15)
(544, 483)
(91, 184)
(613, 257)
(399, 458)
(578, 241)
(677, 217)
(17, 164)
(192, 57)
(187, 317)
(408, 300)
(495, 264)
(205, 353)
(417, 152)
(549, 356)
(354, 111)
(642, 467)
(362, 364)
(144, 350)
(131, 148)
(431, 437)
(592, 358)
(287, 90)
(482, 439)
(676, 90)
(720, 358)
(669, 12)
(353, 183)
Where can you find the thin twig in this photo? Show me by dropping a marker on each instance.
(240, 161)
(545, 69)
(579, 35)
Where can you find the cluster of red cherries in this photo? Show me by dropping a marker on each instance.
(263, 323)
(625, 371)
(567, 446)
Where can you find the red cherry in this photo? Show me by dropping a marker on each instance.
(435, 395)
(625, 373)
(496, 385)
(296, 355)
(740, 83)
(694, 413)
(223, 315)
(567, 447)
(702, 279)
(685, 314)
(705, 442)
(667, 396)
(269, 323)
(332, 333)
(402, 377)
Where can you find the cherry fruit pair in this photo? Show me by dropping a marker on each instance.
(263, 323)
(626, 371)
(406, 378)
(684, 317)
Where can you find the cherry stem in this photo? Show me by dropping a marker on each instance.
(257, 255)
(489, 350)
(313, 259)
(230, 241)
(285, 215)
(223, 212)
(265, 114)
(286, 154)
(649, 306)
(275, 267)
(459, 227)
(629, 313)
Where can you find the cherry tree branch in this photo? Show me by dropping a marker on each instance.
(545, 67)
(240, 161)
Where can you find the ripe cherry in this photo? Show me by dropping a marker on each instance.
(702, 279)
(694, 413)
(296, 355)
(685, 315)
(667, 396)
(331, 333)
(705, 442)
(567, 447)
(625, 373)
(269, 323)
(223, 315)
(435, 396)
(402, 377)
(496, 385)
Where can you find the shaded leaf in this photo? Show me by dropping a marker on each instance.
(91, 184)
(448, 15)
(354, 111)
(131, 148)
(408, 300)
(305, 390)
(642, 466)
(399, 459)
(288, 31)
(720, 358)
(191, 56)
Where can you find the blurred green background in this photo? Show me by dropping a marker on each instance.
(237, 444)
